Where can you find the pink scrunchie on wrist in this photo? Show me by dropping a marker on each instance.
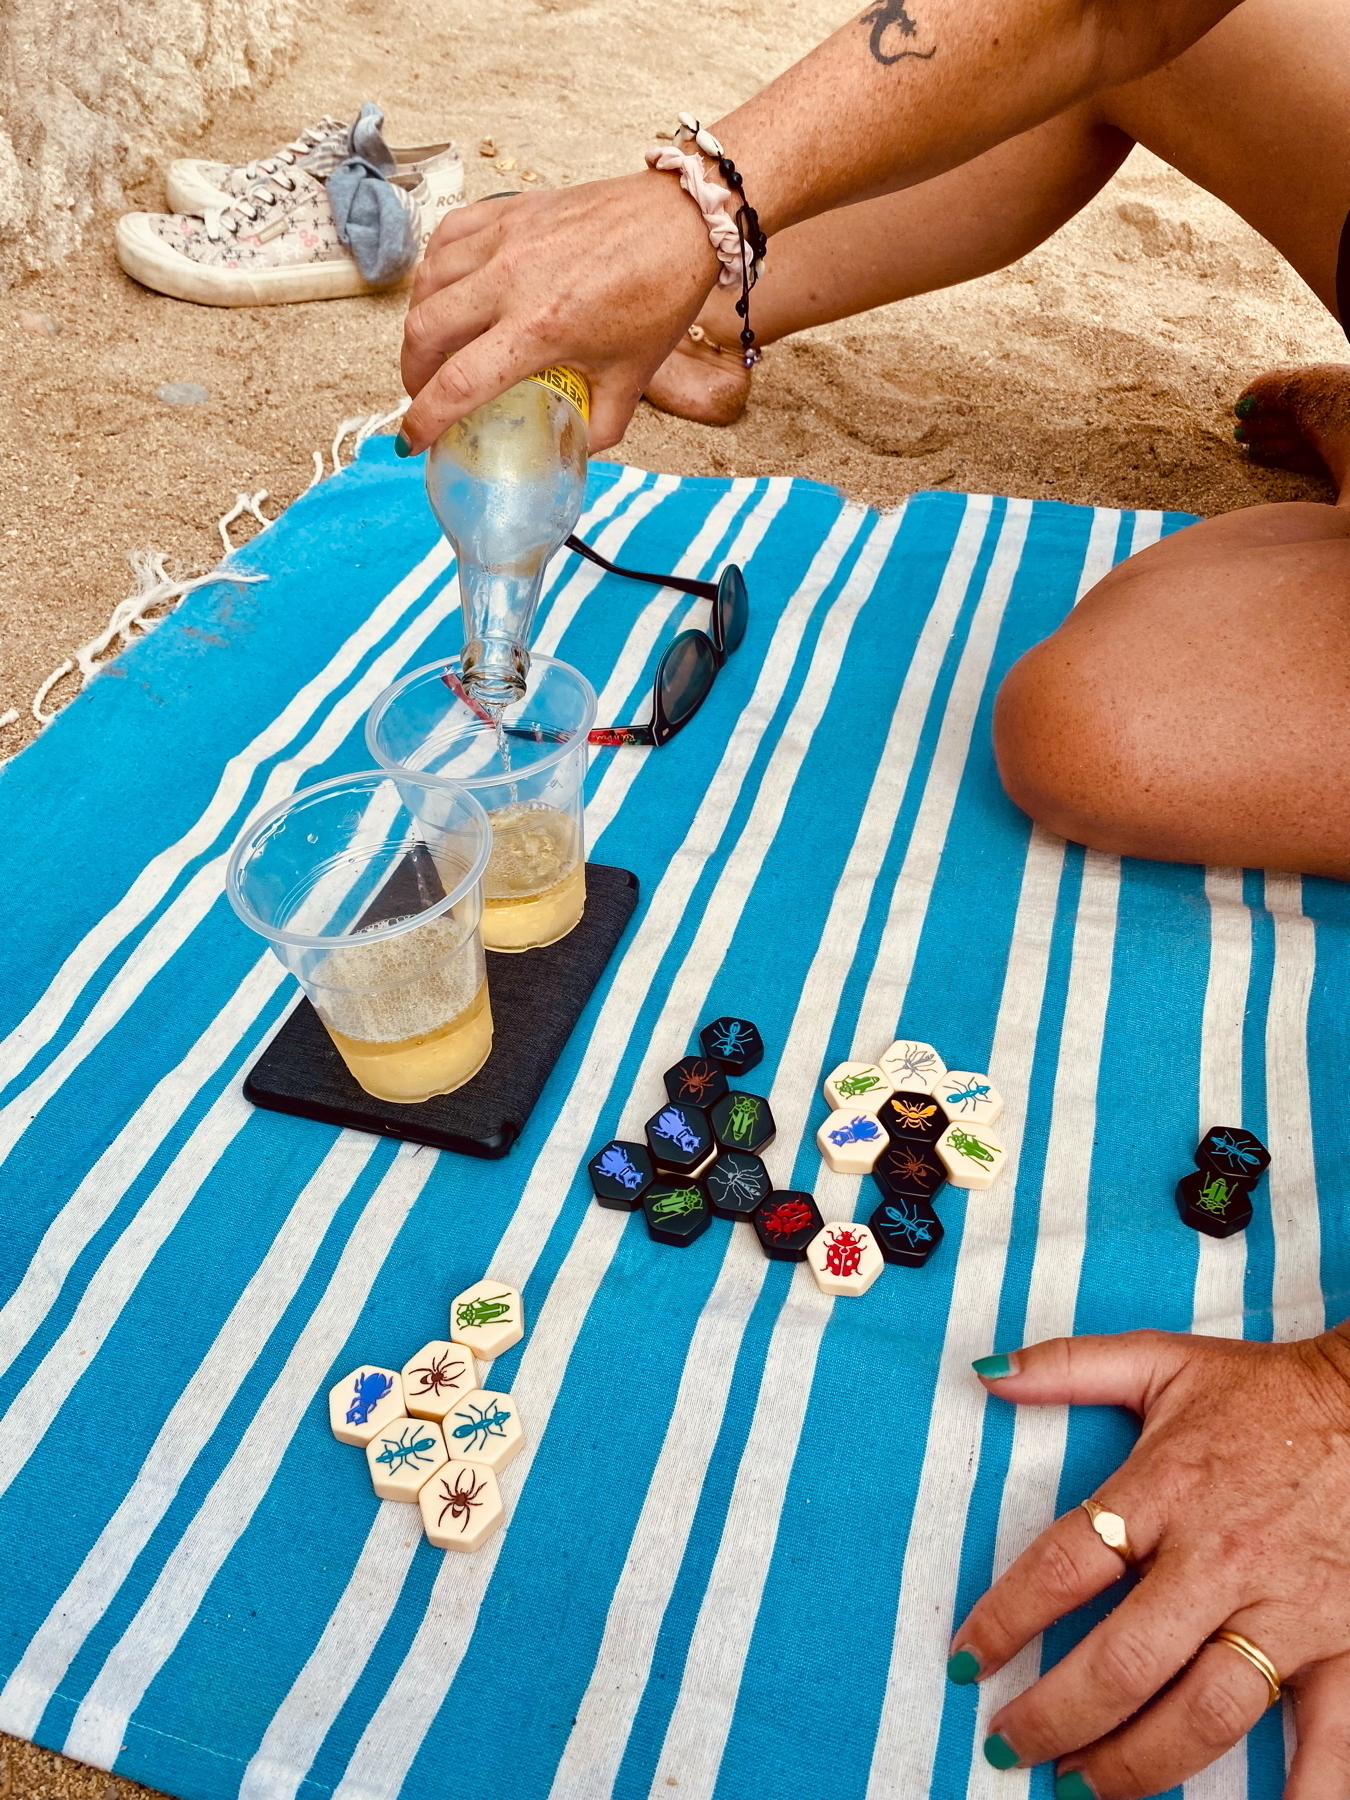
(711, 198)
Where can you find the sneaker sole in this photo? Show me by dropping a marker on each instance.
(147, 259)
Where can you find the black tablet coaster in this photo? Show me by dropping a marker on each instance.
(537, 998)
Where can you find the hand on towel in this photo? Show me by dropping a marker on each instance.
(1236, 1502)
(509, 286)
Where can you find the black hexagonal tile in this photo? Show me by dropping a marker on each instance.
(695, 1081)
(621, 1172)
(736, 1184)
(1214, 1204)
(1234, 1152)
(910, 1167)
(912, 1118)
(733, 1044)
(907, 1230)
(676, 1212)
(680, 1139)
(785, 1223)
(743, 1121)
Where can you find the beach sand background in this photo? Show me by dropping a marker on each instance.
(1099, 369)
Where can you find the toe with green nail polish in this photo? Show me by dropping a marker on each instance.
(999, 1752)
(963, 1668)
(991, 1367)
(1071, 1786)
(1244, 409)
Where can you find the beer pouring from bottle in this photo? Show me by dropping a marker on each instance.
(507, 484)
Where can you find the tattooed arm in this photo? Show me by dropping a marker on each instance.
(607, 276)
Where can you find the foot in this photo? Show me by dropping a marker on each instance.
(1299, 419)
(702, 380)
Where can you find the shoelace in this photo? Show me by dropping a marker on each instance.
(271, 191)
(309, 139)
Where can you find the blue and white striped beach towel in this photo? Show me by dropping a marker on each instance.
(746, 1516)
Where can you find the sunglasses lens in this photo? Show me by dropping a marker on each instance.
(733, 606)
(685, 676)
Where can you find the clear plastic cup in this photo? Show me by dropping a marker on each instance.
(370, 891)
(529, 773)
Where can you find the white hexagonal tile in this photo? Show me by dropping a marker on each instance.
(488, 1318)
(845, 1258)
(856, 1084)
(437, 1378)
(461, 1505)
(484, 1428)
(971, 1154)
(363, 1403)
(403, 1456)
(911, 1067)
(851, 1141)
(966, 1095)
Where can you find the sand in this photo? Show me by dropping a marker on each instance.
(1099, 369)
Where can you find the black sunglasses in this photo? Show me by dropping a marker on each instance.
(688, 668)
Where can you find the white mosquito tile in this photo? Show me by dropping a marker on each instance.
(856, 1084)
(487, 1318)
(845, 1258)
(911, 1067)
(971, 1154)
(968, 1097)
(405, 1455)
(461, 1505)
(437, 1378)
(484, 1428)
(851, 1141)
(363, 1402)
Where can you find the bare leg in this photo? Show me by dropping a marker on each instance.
(1195, 706)
(1257, 112)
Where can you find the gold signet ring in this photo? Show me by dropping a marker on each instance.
(1257, 1658)
(1110, 1528)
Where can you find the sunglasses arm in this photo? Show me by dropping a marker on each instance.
(613, 737)
(700, 590)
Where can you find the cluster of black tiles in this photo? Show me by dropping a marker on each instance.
(909, 1173)
(701, 1155)
(1217, 1197)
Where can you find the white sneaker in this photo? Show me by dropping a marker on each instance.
(276, 242)
(194, 185)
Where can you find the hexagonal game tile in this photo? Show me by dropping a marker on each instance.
(1214, 1204)
(680, 1139)
(911, 1067)
(910, 1168)
(736, 1184)
(907, 1230)
(488, 1318)
(1232, 1151)
(734, 1044)
(405, 1454)
(676, 1212)
(363, 1403)
(856, 1084)
(785, 1223)
(851, 1141)
(695, 1081)
(485, 1428)
(968, 1097)
(972, 1156)
(621, 1172)
(743, 1122)
(844, 1258)
(461, 1506)
(435, 1379)
(912, 1119)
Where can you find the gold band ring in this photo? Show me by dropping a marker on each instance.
(1110, 1528)
(1257, 1658)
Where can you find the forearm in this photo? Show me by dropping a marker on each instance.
(912, 88)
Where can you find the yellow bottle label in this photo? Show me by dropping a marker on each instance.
(570, 383)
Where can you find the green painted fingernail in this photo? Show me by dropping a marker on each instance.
(1239, 434)
(993, 1366)
(401, 446)
(1244, 409)
(1071, 1786)
(999, 1751)
(962, 1668)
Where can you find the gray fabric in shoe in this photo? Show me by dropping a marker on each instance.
(371, 217)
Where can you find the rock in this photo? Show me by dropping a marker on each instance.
(505, 164)
(182, 393)
(487, 148)
(39, 324)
